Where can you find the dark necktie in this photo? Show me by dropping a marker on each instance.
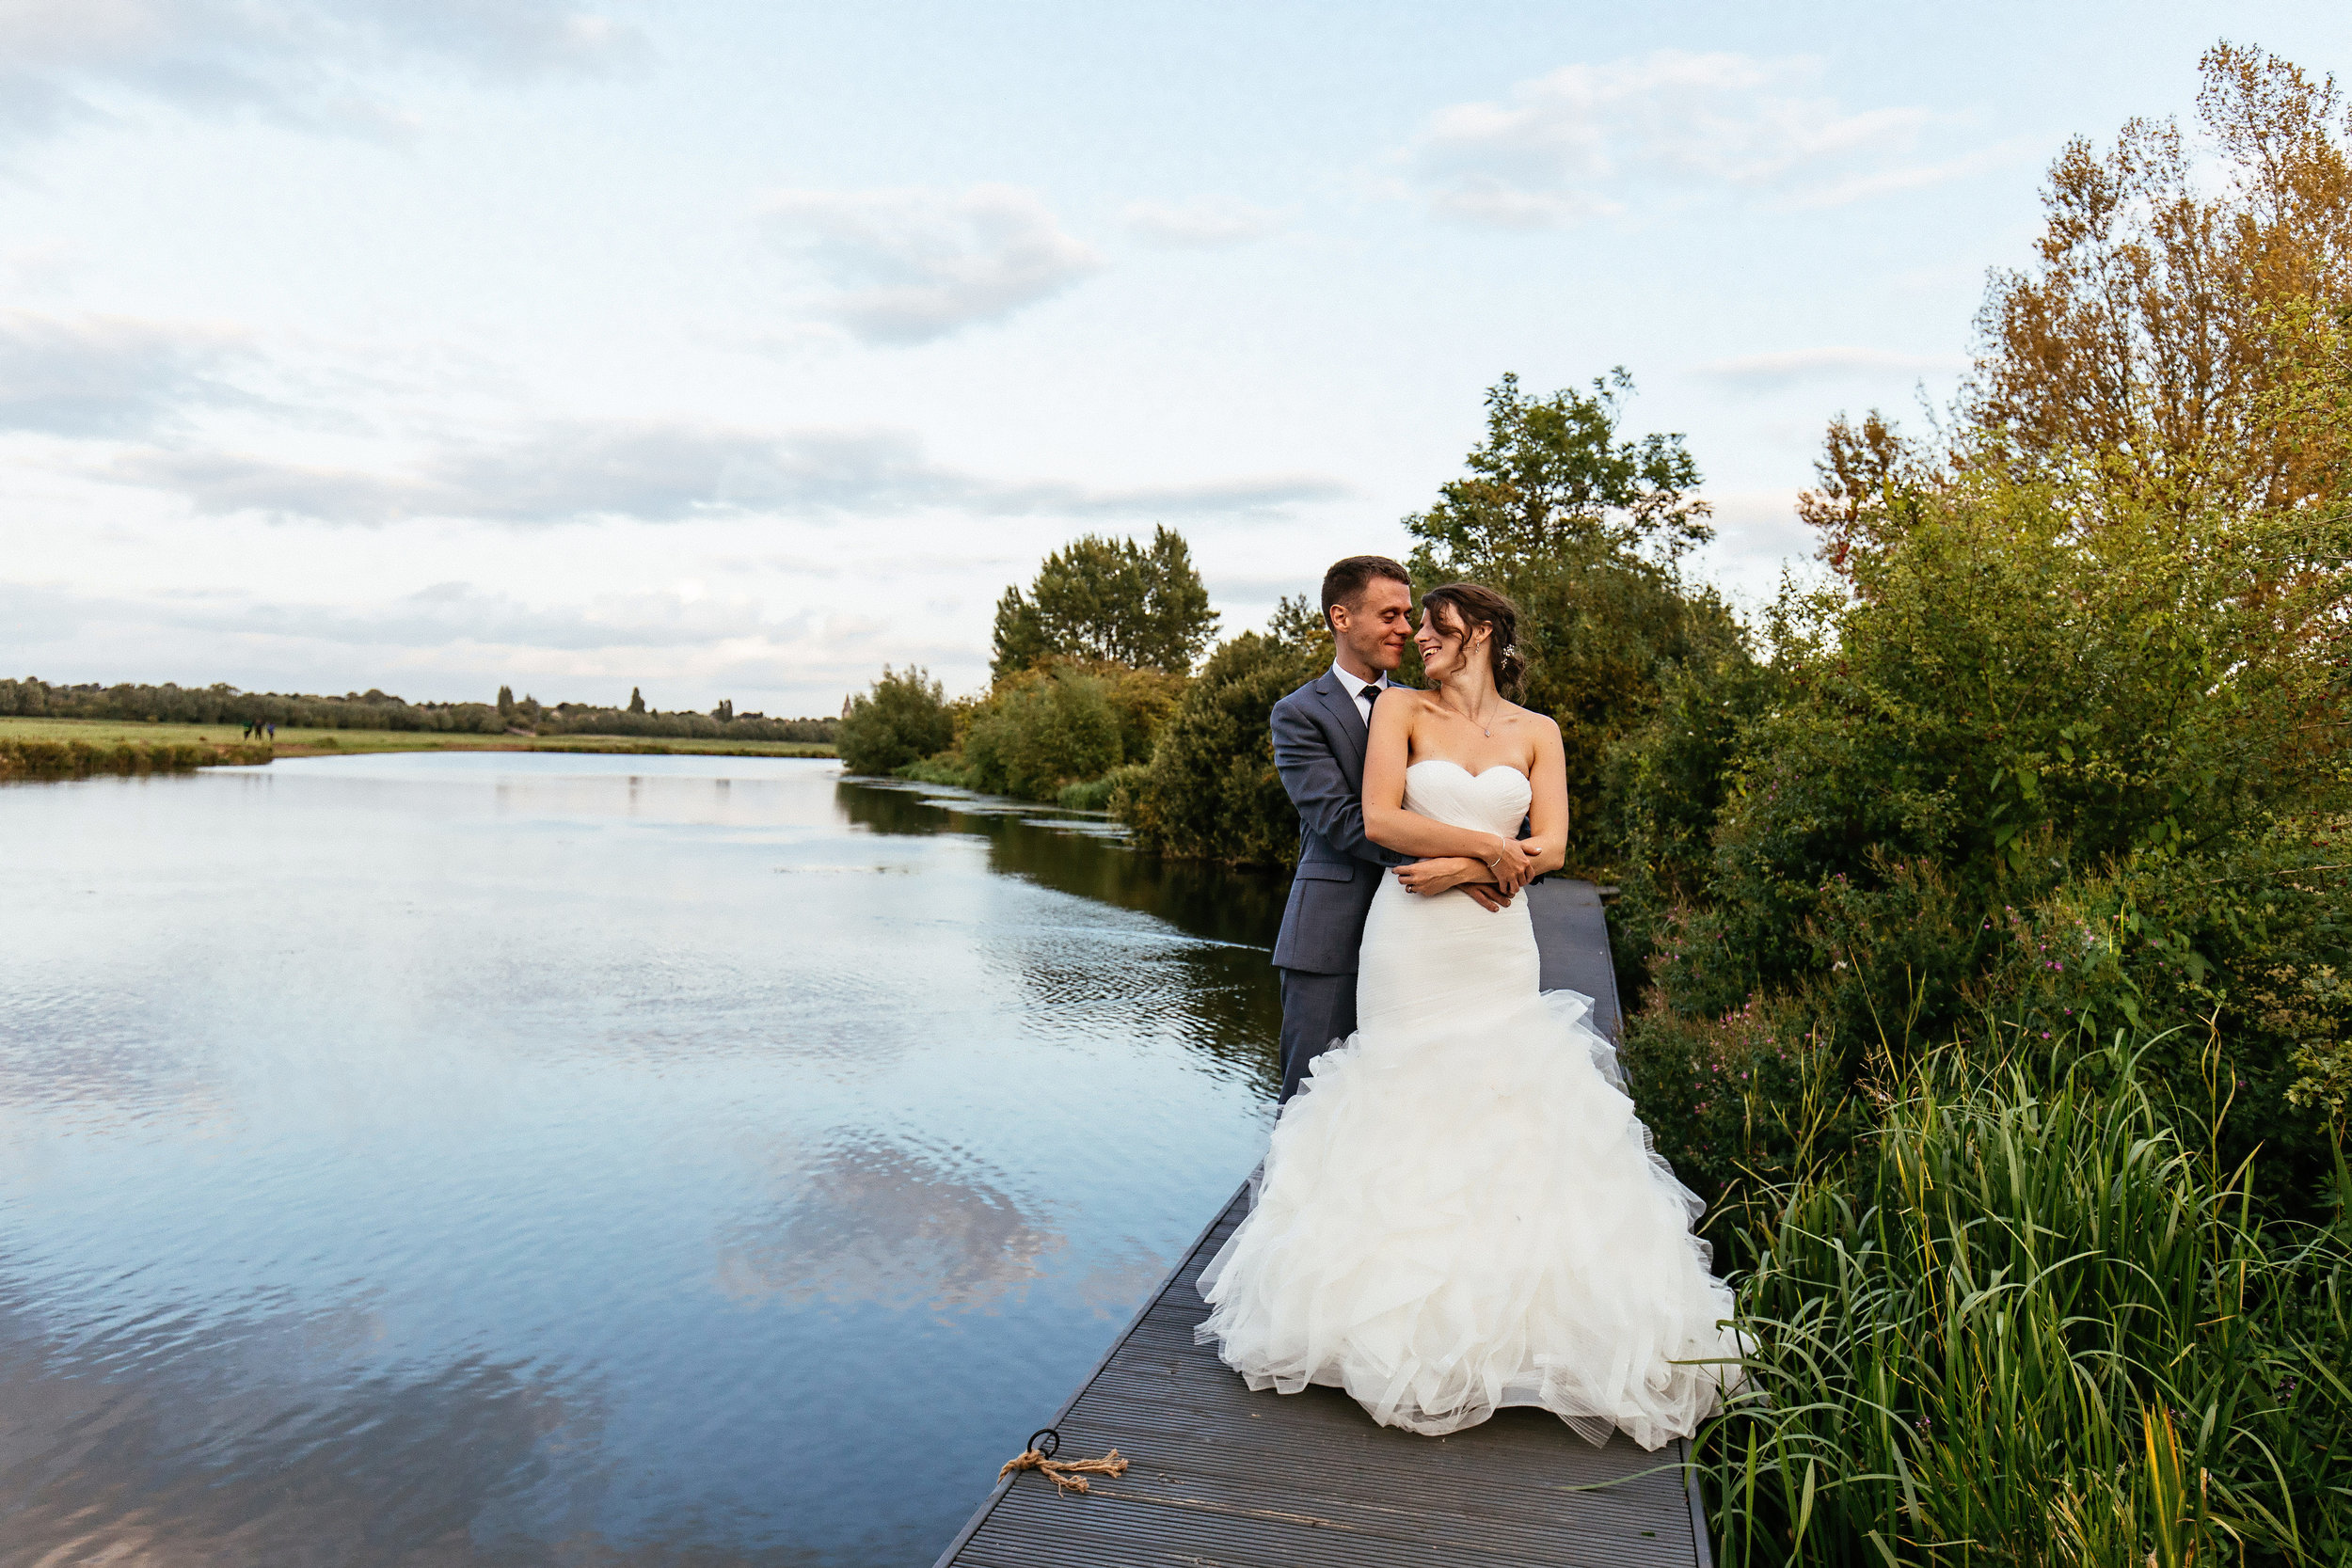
(1371, 694)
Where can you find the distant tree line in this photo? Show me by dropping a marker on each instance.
(373, 710)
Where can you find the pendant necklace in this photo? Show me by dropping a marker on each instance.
(1486, 728)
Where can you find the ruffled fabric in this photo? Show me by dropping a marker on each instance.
(1460, 1211)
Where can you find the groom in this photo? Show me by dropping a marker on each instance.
(1319, 733)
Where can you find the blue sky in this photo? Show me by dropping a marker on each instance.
(732, 350)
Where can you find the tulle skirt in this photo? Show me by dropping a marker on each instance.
(1460, 1211)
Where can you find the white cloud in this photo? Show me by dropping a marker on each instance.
(655, 471)
(458, 613)
(61, 61)
(1758, 540)
(909, 266)
(1765, 371)
(109, 375)
(1893, 182)
(1202, 223)
(39, 268)
(662, 473)
(1597, 140)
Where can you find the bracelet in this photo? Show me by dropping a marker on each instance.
(1496, 860)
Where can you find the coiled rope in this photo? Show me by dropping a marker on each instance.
(1066, 1475)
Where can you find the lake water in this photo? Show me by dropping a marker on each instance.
(516, 1159)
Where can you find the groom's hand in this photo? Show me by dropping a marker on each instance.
(1490, 898)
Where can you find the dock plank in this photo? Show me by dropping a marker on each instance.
(1224, 1478)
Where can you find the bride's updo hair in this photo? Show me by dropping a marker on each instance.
(1474, 604)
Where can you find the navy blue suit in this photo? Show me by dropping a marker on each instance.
(1319, 736)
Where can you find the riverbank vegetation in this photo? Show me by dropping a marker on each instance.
(36, 756)
(1090, 663)
(1997, 994)
(1984, 928)
(380, 711)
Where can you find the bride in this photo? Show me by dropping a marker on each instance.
(1460, 1211)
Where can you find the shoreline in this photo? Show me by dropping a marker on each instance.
(106, 736)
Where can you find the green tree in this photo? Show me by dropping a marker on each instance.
(1211, 792)
(1586, 529)
(1298, 621)
(1553, 483)
(904, 718)
(636, 700)
(2092, 777)
(506, 702)
(1108, 600)
(2151, 355)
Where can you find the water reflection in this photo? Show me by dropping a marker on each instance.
(877, 1221)
(1220, 1003)
(1224, 905)
(565, 1159)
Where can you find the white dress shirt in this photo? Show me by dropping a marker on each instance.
(1355, 689)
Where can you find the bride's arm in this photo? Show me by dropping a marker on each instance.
(1546, 843)
(1387, 822)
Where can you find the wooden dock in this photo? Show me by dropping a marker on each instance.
(1223, 1477)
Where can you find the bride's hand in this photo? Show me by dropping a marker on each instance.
(1513, 866)
(1433, 877)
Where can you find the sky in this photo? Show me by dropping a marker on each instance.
(731, 351)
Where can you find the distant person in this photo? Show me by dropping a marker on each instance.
(273, 732)
(248, 731)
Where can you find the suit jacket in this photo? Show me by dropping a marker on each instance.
(1319, 737)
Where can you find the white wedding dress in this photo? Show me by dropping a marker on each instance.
(1460, 1211)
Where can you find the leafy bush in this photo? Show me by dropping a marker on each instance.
(904, 719)
(2011, 722)
(1663, 785)
(1098, 793)
(1211, 792)
(1041, 730)
(946, 768)
(1064, 723)
(2247, 943)
(1752, 1095)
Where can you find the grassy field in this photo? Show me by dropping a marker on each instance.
(302, 743)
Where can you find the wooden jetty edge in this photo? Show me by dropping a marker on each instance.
(1223, 1477)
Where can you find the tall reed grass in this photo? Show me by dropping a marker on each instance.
(2034, 1320)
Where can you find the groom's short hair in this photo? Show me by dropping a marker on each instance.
(1345, 582)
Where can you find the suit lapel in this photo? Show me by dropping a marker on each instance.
(1346, 716)
(1340, 701)
(1343, 707)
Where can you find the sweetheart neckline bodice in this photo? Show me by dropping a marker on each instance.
(1449, 761)
(1459, 797)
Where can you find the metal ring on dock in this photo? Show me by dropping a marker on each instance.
(1047, 1441)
